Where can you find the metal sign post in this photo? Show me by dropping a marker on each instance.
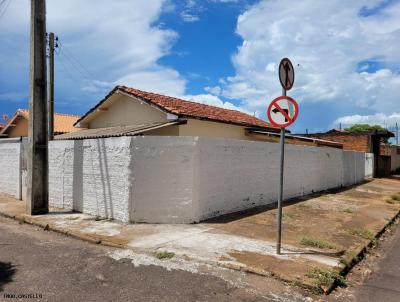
(280, 192)
(282, 112)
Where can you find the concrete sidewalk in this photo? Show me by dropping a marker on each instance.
(321, 234)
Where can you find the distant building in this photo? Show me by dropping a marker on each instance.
(17, 126)
(369, 142)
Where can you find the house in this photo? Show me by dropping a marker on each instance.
(127, 112)
(369, 142)
(17, 126)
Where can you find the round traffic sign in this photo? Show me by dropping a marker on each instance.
(286, 74)
(283, 111)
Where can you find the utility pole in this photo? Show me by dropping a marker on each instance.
(397, 134)
(37, 195)
(51, 86)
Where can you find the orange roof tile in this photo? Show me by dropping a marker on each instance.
(184, 108)
(63, 123)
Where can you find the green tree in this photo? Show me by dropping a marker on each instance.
(364, 128)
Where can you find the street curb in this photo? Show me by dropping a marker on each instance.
(362, 252)
(252, 270)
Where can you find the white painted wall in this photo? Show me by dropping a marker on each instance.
(92, 176)
(369, 165)
(353, 167)
(180, 179)
(235, 175)
(163, 179)
(10, 178)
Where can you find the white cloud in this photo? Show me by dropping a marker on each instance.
(213, 100)
(188, 17)
(164, 81)
(119, 42)
(326, 41)
(374, 119)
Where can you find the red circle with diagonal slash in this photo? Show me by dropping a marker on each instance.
(290, 119)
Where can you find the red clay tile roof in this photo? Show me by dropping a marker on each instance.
(63, 123)
(184, 108)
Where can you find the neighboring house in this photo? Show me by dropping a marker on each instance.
(368, 142)
(1, 128)
(128, 112)
(17, 126)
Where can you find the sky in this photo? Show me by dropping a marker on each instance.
(219, 52)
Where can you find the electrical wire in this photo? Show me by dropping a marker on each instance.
(66, 69)
(75, 62)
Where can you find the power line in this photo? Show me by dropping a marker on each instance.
(64, 66)
(75, 62)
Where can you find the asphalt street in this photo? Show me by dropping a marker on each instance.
(53, 267)
(383, 284)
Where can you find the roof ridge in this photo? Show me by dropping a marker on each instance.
(179, 99)
(66, 114)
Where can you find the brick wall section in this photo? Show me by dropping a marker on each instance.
(350, 142)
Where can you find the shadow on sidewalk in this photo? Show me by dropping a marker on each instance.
(225, 218)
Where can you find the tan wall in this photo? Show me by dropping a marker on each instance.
(166, 131)
(212, 129)
(20, 129)
(202, 128)
(195, 127)
(123, 110)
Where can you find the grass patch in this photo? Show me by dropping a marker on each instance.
(396, 197)
(393, 201)
(327, 278)
(363, 233)
(348, 210)
(21, 220)
(165, 255)
(318, 243)
(348, 257)
(287, 216)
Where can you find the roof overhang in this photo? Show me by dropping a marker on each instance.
(129, 130)
(10, 123)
